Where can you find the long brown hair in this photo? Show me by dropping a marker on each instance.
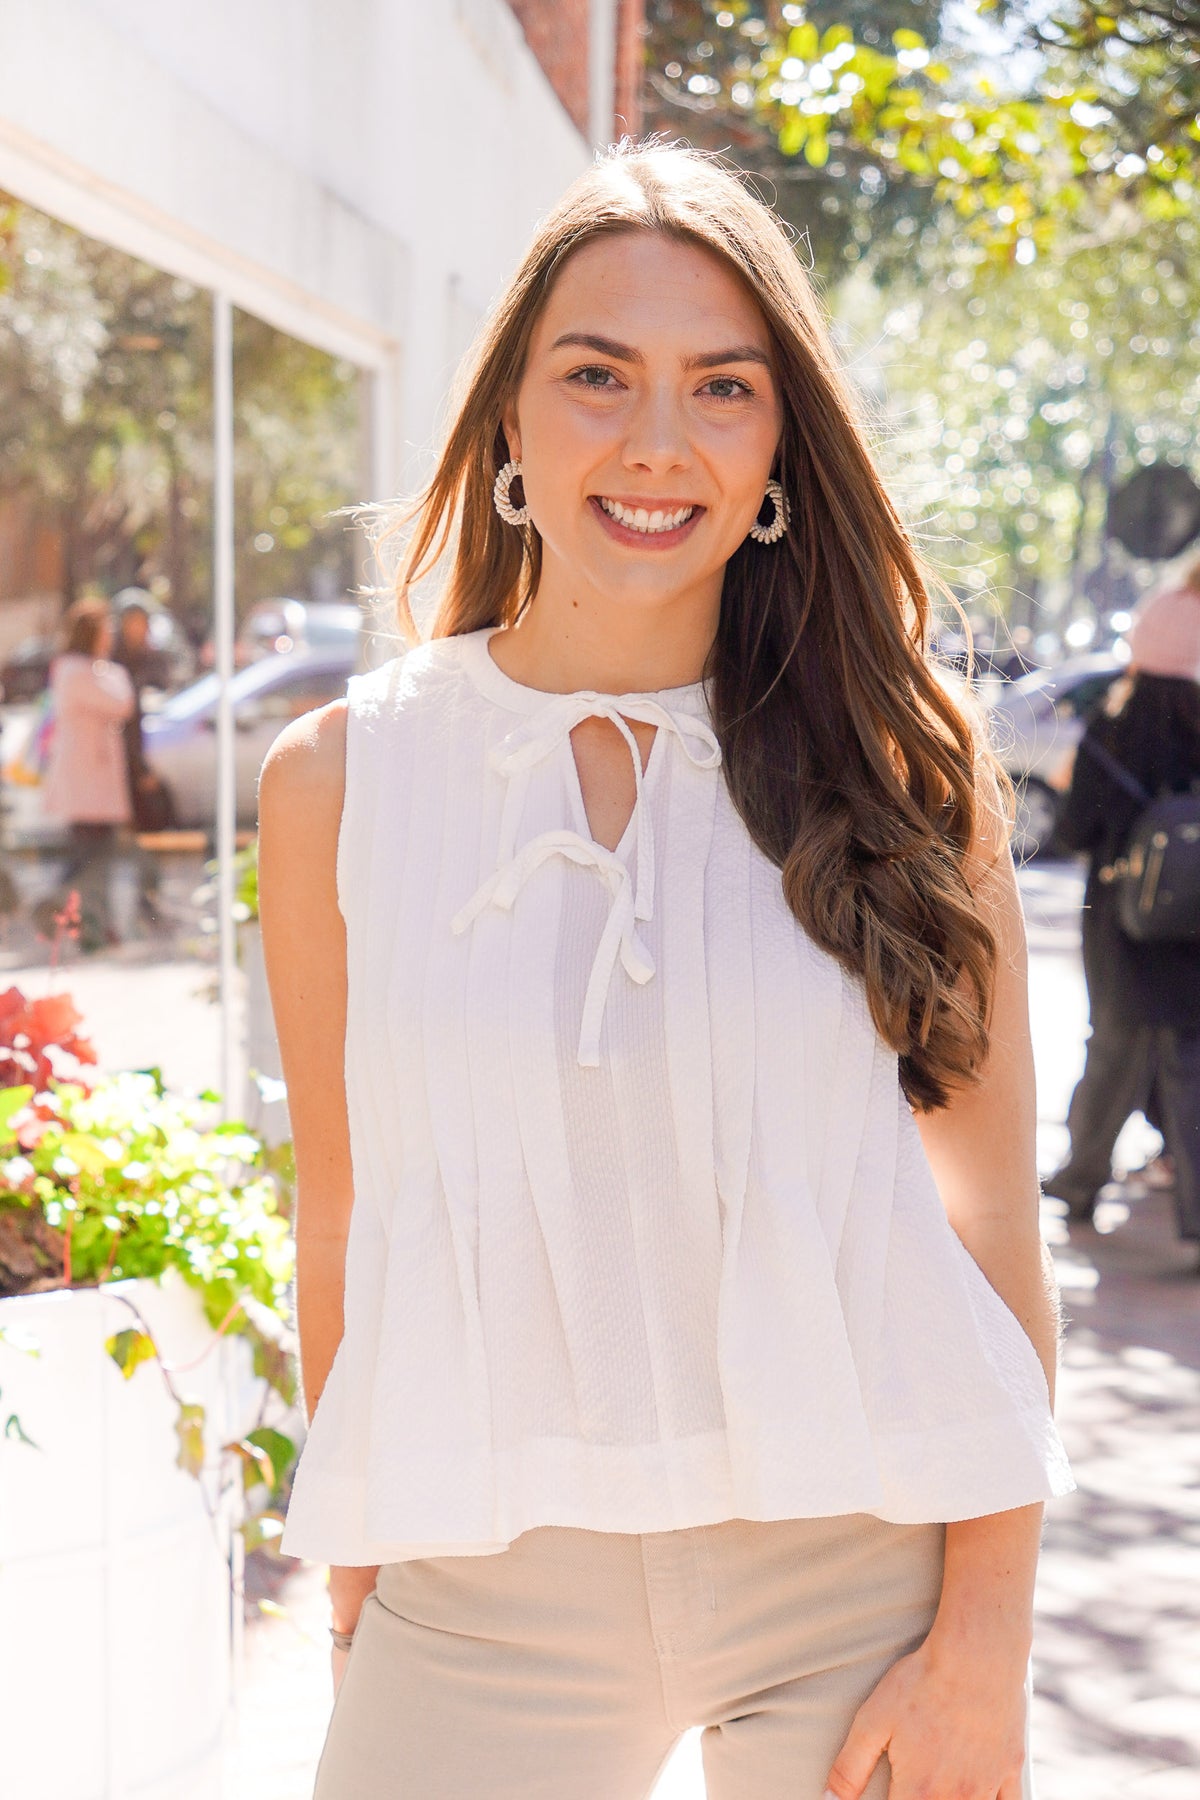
(82, 623)
(853, 769)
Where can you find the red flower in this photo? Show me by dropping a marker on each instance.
(30, 1030)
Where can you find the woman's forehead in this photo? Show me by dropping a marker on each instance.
(655, 285)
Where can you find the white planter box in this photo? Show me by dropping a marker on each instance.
(118, 1634)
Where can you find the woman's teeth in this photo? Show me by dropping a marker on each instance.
(638, 519)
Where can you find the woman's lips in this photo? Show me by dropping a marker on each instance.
(662, 539)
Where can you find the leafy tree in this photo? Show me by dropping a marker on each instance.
(1006, 228)
(1085, 120)
(712, 68)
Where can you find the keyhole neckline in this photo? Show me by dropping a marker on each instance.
(491, 680)
(626, 840)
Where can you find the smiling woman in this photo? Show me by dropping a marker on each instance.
(694, 1355)
(660, 443)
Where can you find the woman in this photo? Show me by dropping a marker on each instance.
(1144, 998)
(86, 781)
(145, 664)
(650, 895)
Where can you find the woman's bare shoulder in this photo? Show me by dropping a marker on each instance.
(303, 774)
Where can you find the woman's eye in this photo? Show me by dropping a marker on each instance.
(596, 378)
(727, 387)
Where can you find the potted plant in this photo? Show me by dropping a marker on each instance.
(146, 1403)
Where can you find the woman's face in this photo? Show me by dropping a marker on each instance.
(646, 421)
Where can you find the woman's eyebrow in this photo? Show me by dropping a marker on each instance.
(708, 359)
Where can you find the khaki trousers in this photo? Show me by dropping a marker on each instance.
(568, 1666)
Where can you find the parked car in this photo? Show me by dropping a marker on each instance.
(181, 740)
(1035, 724)
(277, 627)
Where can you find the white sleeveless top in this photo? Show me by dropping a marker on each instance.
(643, 1232)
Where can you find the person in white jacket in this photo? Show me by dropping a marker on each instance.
(86, 781)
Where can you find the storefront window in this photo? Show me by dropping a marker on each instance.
(106, 557)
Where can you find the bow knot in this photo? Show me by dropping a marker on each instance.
(515, 757)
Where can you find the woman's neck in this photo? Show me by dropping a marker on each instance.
(612, 649)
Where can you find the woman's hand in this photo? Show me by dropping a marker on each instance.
(950, 1724)
(348, 1588)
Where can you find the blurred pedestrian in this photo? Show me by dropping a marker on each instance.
(86, 781)
(672, 1302)
(1144, 998)
(148, 798)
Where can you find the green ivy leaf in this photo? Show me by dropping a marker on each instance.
(129, 1349)
(275, 1365)
(261, 1528)
(189, 1429)
(11, 1101)
(257, 1468)
(277, 1447)
(14, 1429)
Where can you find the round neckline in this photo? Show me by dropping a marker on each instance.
(492, 681)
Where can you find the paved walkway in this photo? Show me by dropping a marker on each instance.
(1118, 1650)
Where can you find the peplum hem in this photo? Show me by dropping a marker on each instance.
(671, 1486)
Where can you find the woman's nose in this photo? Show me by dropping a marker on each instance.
(657, 436)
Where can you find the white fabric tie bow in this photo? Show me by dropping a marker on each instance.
(516, 756)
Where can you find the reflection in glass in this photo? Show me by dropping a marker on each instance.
(106, 458)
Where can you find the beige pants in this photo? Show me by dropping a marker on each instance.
(568, 1666)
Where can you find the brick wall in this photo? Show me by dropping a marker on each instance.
(557, 33)
(628, 76)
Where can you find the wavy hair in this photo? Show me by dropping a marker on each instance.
(853, 768)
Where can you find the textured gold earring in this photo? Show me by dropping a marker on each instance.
(515, 515)
(771, 534)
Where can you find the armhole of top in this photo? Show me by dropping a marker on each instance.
(349, 793)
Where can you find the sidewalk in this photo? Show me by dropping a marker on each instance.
(1117, 1660)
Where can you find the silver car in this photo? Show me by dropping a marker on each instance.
(1035, 724)
(181, 737)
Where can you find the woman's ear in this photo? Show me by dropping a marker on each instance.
(512, 432)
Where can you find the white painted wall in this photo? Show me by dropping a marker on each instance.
(365, 174)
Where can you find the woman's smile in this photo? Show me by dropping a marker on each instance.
(646, 524)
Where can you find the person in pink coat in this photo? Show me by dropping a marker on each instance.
(86, 781)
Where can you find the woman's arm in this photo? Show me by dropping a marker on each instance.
(304, 947)
(952, 1715)
(983, 1152)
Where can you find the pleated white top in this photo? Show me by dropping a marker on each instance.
(643, 1232)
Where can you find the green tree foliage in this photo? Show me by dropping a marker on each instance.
(106, 423)
(1081, 120)
(711, 73)
(1002, 205)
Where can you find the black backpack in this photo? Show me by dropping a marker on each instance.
(1158, 877)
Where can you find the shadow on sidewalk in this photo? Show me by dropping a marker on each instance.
(1117, 1659)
